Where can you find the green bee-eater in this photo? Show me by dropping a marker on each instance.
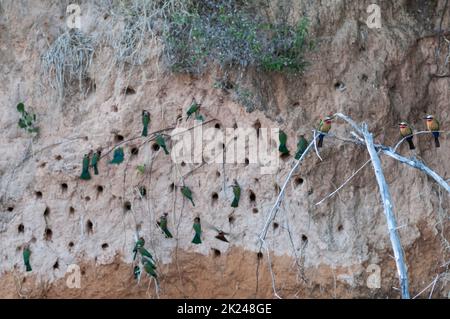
(302, 145)
(150, 269)
(162, 223)
(145, 122)
(193, 108)
(118, 156)
(162, 143)
(136, 272)
(146, 255)
(198, 231)
(94, 161)
(237, 194)
(187, 193)
(26, 258)
(324, 126)
(283, 139)
(140, 243)
(85, 175)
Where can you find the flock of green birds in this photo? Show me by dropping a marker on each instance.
(92, 159)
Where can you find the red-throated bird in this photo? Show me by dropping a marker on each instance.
(406, 131)
(324, 127)
(433, 126)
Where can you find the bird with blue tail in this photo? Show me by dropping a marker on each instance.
(433, 126)
(323, 127)
(406, 132)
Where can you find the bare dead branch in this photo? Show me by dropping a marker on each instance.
(388, 210)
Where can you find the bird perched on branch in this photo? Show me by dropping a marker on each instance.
(95, 159)
(302, 145)
(433, 126)
(193, 108)
(406, 131)
(324, 127)
(187, 193)
(85, 175)
(162, 223)
(236, 193)
(145, 122)
(162, 143)
(283, 139)
(198, 231)
(26, 257)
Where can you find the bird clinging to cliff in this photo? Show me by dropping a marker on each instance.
(140, 243)
(26, 257)
(187, 193)
(150, 269)
(236, 193)
(85, 175)
(406, 131)
(193, 108)
(162, 223)
(324, 126)
(433, 126)
(146, 256)
(95, 159)
(283, 139)
(117, 156)
(162, 143)
(137, 272)
(198, 231)
(145, 122)
(302, 145)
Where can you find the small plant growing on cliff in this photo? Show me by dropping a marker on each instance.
(27, 120)
(229, 33)
(67, 61)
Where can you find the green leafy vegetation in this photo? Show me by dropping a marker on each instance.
(27, 120)
(229, 34)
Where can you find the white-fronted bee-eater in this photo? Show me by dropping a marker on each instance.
(324, 127)
(406, 131)
(433, 126)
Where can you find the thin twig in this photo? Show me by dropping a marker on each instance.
(424, 289)
(276, 206)
(315, 145)
(343, 184)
